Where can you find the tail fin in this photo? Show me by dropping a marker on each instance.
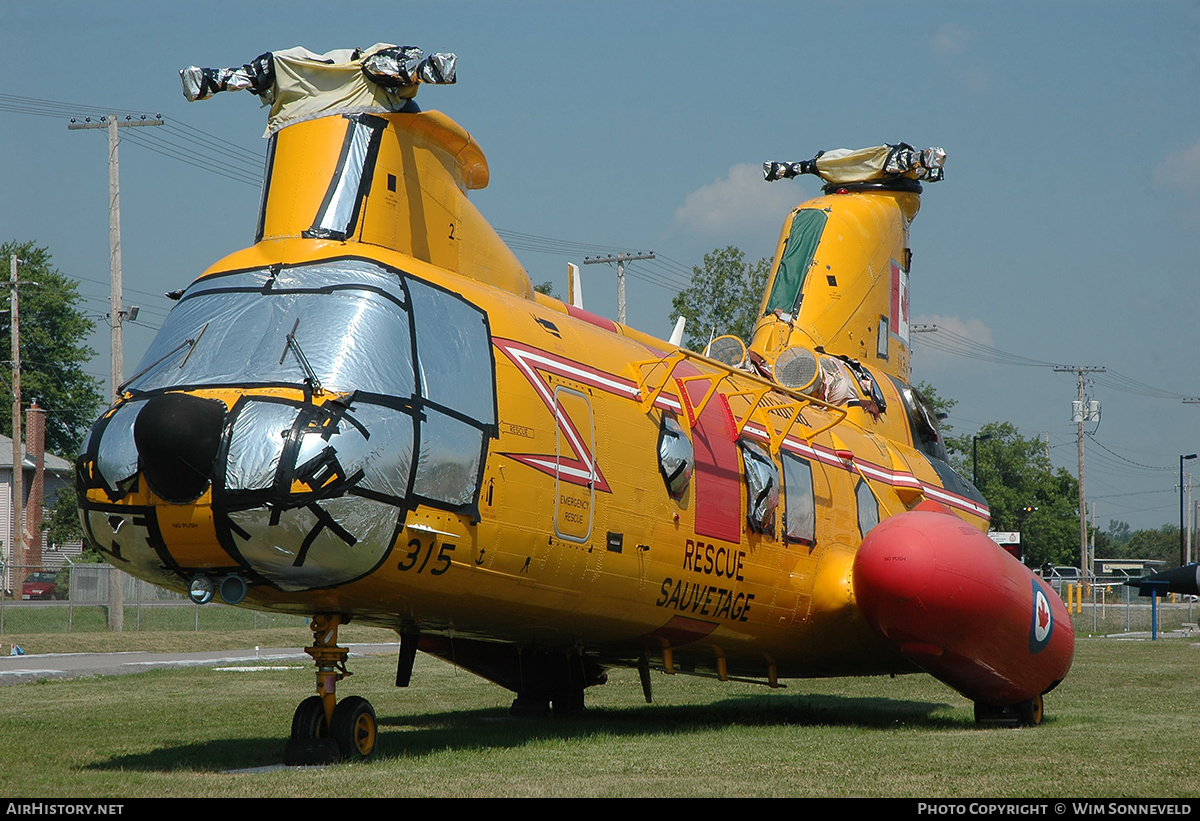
(839, 281)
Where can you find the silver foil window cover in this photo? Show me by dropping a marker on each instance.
(353, 329)
(112, 441)
(318, 545)
(314, 495)
(256, 443)
(353, 446)
(676, 457)
(453, 352)
(762, 488)
(351, 182)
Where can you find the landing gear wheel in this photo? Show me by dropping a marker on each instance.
(308, 723)
(310, 743)
(1030, 713)
(353, 727)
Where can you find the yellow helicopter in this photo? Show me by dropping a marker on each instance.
(370, 414)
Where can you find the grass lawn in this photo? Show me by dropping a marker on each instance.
(1122, 724)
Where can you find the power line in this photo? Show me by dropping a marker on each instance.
(943, 339)
(620, 260)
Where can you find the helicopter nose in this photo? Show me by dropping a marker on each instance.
(177, 438)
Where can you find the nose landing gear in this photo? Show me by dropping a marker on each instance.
(325, 730)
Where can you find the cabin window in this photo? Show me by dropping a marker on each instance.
(797, 258)
(676, 458)
(799, 512)
(762, 488)
(868, 507)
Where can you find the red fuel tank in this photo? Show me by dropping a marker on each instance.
(960, 607)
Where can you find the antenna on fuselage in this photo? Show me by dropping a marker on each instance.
(574, 286)
(677, 334)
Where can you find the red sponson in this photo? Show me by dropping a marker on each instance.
(948, 598)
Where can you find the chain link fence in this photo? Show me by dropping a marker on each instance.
(75, 598)
(1105, 606)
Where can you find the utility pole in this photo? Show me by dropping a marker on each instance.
(116, 311)
(620, 259)
(1195, 522)
(1182, 548)
(1187, 555)
(18, 505)
(18, 532)
(1082, 411)
(116, 585)
(18, 537)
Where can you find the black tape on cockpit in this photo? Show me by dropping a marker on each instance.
(261, 227)
(326, 476)
(324, 521)
(351, 182)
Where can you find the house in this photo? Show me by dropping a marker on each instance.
(56, 478)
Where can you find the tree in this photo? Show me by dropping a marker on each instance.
(1024, 492)
(1118, 532)
(62, 525)
(1160, 545)
(723, 297)
(547, 289)
(54, 350)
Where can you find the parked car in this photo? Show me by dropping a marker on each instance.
(39, 586)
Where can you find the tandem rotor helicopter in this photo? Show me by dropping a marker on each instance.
(370, 414)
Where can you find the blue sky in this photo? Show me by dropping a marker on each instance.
(1067, 229)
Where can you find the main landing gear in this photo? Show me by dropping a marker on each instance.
(1024, 714)
(325, 730)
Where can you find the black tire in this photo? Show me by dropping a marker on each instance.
(986, 713)
(1030, 713)
(308, 722)
(354, 727)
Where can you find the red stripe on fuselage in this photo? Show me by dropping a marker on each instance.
(529, 360)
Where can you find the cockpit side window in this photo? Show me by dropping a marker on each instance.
(922, 421)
